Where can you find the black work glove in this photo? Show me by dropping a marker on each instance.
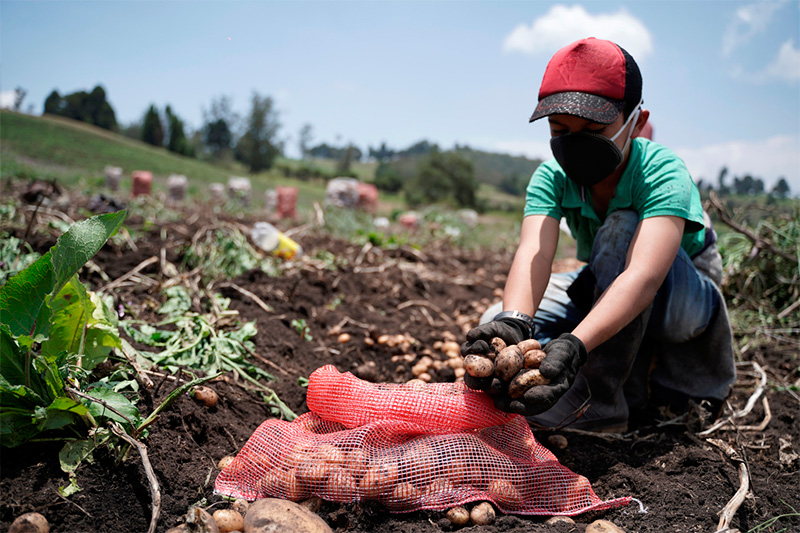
(565, 355)
(511, 330)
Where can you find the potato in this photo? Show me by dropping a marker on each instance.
(524, 380)
(270, 515)
(438, 489)
(478, 366)
(529, 344)
(225, 461)
(341, 486)
(458, 516)
(533, 358)
(313, 475)
(357, 462)
(498, 344)
(284, 484)
(558, 519)
(403, 495)
(299, 455)
(30, 523)
(313, 504)
(228, 520)
(240, 505)
(603, 526)
(200, 521)
(504, 493)
(205, 395)
(508, 363)
(450, 346)
(343, 338)
(558, 441)
(378, 479)
(328, 453)
(482, 514)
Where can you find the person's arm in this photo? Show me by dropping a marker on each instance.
(530, 269)
(650, 256)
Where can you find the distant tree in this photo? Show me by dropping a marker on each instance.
(53, 103)
(19, 97)
(420, 148)
(133, 130)
(722, 188)
(748, 185)
(219, 124)
(92, 108)
(259, 145)
(781, 189)
(346, 159)
(382, 154)
(443, 177)
(515, 184)
(305, 137)
(152, 128)
(177, 137)
(387, 178)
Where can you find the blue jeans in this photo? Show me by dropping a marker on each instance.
(682, 309)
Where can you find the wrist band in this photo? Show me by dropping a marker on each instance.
(518, 316)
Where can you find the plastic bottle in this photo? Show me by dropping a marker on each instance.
(270, 239)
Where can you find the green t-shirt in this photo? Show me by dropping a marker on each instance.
(656, 182)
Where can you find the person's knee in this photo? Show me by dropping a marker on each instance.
(610, 247)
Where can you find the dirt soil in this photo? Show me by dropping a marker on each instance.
(431, 294)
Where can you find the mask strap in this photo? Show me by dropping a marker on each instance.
(634, 116)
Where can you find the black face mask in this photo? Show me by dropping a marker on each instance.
(589, 158)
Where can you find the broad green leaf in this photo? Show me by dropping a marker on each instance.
(12, 360)
(22, 300)
(80, 243)
(73, 310)
(116, 401)
(13, 388)
(62, 412)
(74, 453)
(16, 426)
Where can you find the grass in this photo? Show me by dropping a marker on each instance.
(75, 154)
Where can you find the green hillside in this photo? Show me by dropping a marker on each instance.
(63, 147)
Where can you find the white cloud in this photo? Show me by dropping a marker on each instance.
(787, 64)
(771, 159)
(562, 25)
(7, 99)
(748, 21)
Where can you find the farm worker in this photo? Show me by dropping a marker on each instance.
(644, 322)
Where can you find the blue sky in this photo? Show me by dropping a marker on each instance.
(721, 78)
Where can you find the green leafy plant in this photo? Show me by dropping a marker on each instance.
(302, 329)
(15, 256)
(192, 340)
(224, 252)
(53, 332)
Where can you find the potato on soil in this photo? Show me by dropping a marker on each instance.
(206, 396)
(529, 344)
(458, 516)
(558, 441)
(478, 366)
(508, 363)
(270, 515)
(534, 358)
(343, 338)
(524, 380)
(482, 514)
(200, 521)
(225, 461)
(30, 523)
(240, 505)
(228, 520)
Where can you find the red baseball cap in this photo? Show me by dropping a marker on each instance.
(592, 79)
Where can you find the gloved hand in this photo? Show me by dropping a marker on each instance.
(565, 355)
(511, 330)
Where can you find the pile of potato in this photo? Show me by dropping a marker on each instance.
(513, 369)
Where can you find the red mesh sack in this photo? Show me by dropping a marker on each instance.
(410, 447)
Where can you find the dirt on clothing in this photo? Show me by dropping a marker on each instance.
(432, 294)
